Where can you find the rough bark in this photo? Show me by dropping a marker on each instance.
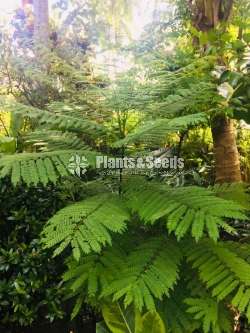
(227, 163)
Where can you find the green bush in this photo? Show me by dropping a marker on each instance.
(30, 289)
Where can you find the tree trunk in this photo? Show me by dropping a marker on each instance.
(207, 14)
(41, 24)
(227, 163)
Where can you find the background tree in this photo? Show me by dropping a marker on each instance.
(41, 22)
(206, 16)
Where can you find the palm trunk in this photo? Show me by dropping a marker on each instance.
(207, 14)
(227, 162)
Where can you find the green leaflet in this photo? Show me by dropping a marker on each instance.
(77, 307)
(120, 320)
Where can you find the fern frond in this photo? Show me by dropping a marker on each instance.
(58, 119)
(174, 312)
(185, 310)
(187, 88)
(235, 191)
(223, 271)
(214, 318)
(149, 272)
(35, 168)
(185, 96)
(45, 140)
(156, 131)
(186, 209)
(87, 225)
(94, 272)
(241, 249)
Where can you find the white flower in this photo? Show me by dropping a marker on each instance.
(225, 90)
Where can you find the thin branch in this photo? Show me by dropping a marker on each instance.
(4, 127)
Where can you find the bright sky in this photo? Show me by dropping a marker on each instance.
(142, 13)
(7, 6)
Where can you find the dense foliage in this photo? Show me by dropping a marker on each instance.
(30, 286)
(152, 251)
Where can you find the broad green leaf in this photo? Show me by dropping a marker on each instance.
(120, 320)
(7, 145)
(238, 45)
(246, 38)
(152, 323)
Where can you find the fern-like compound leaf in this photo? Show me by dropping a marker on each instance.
(45, 140)
(55, 119)
(223, 271)
(155, 131)
(149, 272)
(192, 210)
(35, 168)
(214, 317)
(87, 225)
(94, 272)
